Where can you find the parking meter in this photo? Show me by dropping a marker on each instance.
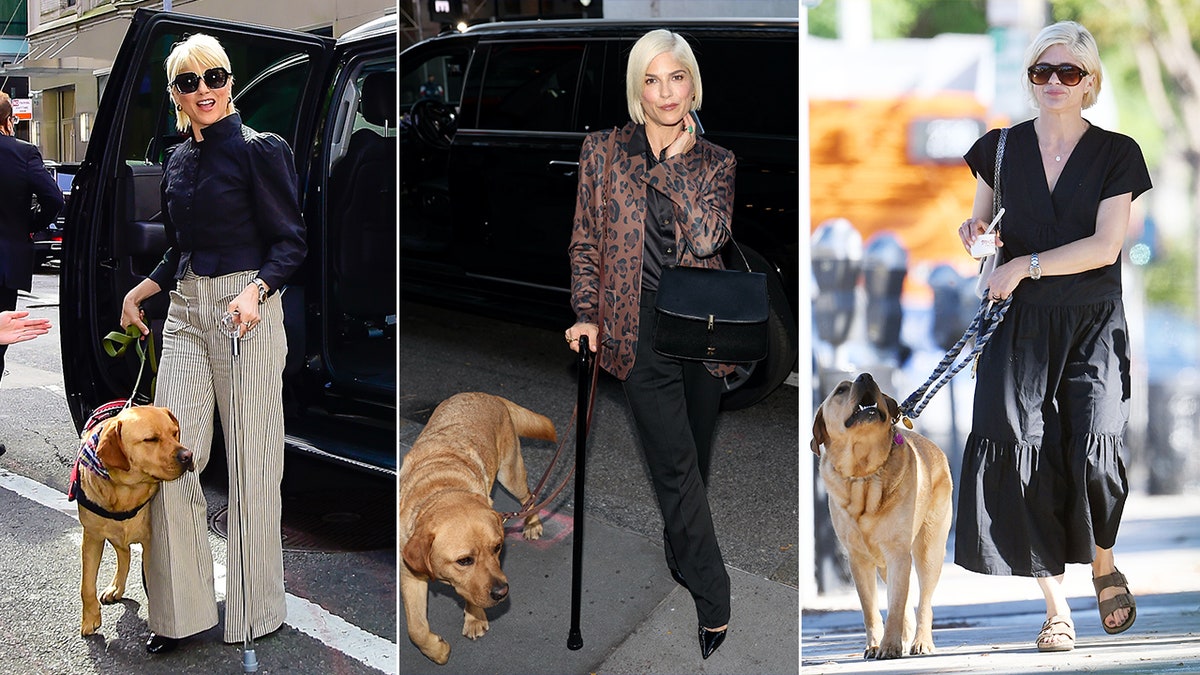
(836, 262)
(954, 304)
(885, 264)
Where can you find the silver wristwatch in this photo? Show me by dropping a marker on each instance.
(1035, 268)
(262, 290)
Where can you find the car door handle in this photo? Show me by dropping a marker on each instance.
(563, 168)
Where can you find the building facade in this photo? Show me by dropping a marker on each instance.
(72, 43)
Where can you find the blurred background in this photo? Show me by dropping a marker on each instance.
(897, 92)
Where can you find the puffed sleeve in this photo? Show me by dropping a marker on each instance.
(700, 185)
(164, 272)
(277, 208)
(584, 250)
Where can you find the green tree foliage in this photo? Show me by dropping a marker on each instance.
(907, 18)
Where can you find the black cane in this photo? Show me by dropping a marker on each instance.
(575, 638)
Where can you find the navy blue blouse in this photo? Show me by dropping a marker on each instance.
(1104, 164)
(230, 204)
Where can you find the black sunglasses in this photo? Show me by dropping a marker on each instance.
(1068, 74)
(214, 78)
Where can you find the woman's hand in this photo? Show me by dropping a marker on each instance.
(591, 330)
(686, 139)
(244, 309)
(970, 230)
(14, 327)
(131, 306)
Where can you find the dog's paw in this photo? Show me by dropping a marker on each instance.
(871, 651)
(111, 595)
(438, 652)
(890, 649)
(474, 628)
(533, 527)
(90, 624)
(922, 647)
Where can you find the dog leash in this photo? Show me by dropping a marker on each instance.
(528, 506)
(986, 320)
(116, 344)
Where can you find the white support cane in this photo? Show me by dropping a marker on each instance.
(230, 330)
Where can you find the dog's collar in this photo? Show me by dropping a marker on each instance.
(76, 493)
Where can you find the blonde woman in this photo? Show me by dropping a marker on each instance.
(1042, 480)
(653, 194)
(233, 224)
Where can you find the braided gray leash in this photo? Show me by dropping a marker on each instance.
(990, 314)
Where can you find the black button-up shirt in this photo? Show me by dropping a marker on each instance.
(659, 250)
(230, 204)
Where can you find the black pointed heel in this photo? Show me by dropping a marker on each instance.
(710, 640)
(161, 644)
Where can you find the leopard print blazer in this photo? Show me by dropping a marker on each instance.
(608, 231)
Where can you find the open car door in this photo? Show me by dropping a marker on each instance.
(116, 235)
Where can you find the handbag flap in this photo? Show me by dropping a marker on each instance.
(729, 296)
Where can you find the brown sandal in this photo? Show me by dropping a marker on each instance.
(1120, 601)
(1058, 635)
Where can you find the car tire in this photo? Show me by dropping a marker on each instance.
(752, 382)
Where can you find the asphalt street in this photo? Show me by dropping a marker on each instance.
(342, 600)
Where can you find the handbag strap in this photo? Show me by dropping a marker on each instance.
(996, 200)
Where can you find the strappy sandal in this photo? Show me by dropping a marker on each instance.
(1119, 601)
(1058, 635)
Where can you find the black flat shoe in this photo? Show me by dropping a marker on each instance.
(710, 640)
(161, 644)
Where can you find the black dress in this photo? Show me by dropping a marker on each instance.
(1042, 479)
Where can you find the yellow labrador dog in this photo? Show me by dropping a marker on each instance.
(121, 462)
(448, 530)
(889, 498)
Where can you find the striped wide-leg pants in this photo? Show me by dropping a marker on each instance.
(194, 376)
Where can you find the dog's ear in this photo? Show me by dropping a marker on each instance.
(893, 408)
(416, 553)
(109, 448)
(170, 414)
(819, 434)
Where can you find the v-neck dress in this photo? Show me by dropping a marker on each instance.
(1042, 480)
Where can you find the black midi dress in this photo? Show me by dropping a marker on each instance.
(1042, 480)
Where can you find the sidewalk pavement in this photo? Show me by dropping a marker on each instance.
(634, 618)
(986, 624)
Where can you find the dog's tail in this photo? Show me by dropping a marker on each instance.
(530, 424)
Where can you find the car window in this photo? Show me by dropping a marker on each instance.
(150, 123)
(530, 87)
(447, 72)
(738, 75)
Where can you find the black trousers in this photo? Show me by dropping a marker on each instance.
(8, 302)
(674, 405)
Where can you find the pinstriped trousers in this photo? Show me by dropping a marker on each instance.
(194, 376)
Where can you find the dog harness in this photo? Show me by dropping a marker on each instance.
(90, 461)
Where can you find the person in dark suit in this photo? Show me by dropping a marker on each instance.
(22, 175)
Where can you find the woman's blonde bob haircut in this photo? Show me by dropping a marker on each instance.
(645, 50)
(197, 53)
(1082, 46)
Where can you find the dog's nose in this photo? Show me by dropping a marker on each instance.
(184, 457)
(865, 379)
(499, 592)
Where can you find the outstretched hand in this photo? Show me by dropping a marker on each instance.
(15, 327)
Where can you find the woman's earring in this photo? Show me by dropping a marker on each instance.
(178, 107)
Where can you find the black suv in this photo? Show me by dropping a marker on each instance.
(335, 103)
(489, 160)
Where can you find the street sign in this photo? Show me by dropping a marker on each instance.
(23, 108)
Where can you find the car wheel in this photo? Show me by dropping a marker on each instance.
(752, 382)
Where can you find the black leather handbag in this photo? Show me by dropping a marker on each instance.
(712, 315)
